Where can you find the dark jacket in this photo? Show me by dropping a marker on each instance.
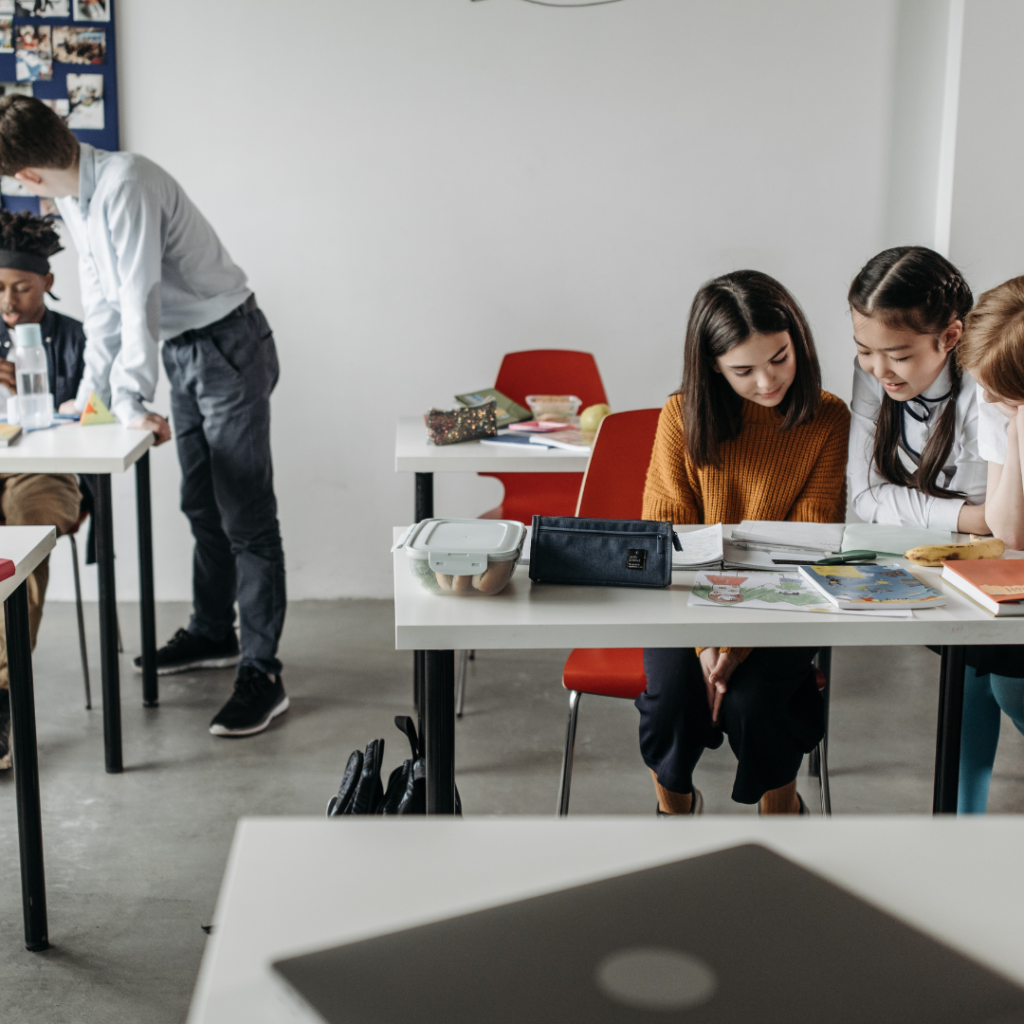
(64, 341)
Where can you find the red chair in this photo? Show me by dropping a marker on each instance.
(613, 488)
(544, 371)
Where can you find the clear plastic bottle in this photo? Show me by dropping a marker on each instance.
(35, 402)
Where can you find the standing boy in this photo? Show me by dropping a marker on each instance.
(153, 270)
(34, 499)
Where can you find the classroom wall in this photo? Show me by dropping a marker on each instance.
(988, 200)
(417, 186)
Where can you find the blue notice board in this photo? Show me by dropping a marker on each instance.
(65, 52)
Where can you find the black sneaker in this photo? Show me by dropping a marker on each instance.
(185, 651)
(256, 701)
(5, 729)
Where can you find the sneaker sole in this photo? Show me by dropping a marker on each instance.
(278, 709)
(191, 666)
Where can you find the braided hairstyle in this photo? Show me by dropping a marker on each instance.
(913, 288)
(25, 232)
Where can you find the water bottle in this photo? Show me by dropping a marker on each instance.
(35, 402)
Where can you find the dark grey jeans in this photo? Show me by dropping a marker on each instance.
(221, 379)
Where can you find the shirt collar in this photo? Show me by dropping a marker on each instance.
(941, 385)
(46, 326)
(86, 175)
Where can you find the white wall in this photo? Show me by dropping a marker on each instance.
(988, 198)
(929, 36)
(418, 186)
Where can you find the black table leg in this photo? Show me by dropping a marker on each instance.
(147, 605)
(439, 728)
(109, 663)
(947, 740)
(26, 769)
(424, 510)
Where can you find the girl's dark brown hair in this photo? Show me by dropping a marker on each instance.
(725, 313)
(913, 288)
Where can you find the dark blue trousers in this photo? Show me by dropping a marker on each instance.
(772, 713)
(221, 379)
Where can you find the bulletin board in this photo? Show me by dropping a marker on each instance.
(63, 52)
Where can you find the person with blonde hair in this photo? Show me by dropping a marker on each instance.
(992, 351)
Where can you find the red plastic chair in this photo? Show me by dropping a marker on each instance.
(544, 371)
(613, 488)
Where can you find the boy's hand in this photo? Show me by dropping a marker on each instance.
(7, 377)
(68, 408)
(718, 667)
(157, 424)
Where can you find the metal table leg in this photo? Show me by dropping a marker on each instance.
(424, 510)
(947, 740)
(111, 669)
(147, 606)
(439, 727)
(26, 770)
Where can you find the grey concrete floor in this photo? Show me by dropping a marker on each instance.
(134, 861)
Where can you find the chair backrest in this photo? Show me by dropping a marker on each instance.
(550, 371)
(613, 487)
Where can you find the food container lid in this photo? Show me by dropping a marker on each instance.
(463, 547)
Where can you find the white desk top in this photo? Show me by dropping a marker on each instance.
(294, 885)
(546, 616)
(72, 448)
(414, 455)
(26, 547)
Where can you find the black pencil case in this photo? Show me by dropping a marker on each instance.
(602, 552)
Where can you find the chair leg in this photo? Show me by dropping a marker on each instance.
(567, 756)
(120, 642)
(826, 796)
(81, 624)
(460, 682)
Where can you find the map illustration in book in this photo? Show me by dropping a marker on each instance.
(777, 591)
(865, 586)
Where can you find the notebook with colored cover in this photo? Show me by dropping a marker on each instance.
(870, 586)
(997, 584)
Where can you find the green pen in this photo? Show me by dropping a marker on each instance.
(847, 556)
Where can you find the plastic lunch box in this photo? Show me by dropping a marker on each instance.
(463, 556)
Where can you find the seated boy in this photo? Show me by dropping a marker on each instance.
(34, 499)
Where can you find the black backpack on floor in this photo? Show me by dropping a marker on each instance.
(361, 791)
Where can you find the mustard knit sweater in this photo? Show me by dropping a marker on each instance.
(799, 475)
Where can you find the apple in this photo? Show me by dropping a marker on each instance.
(590, 418)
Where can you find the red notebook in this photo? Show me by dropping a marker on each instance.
(6, 568)
(997, 584)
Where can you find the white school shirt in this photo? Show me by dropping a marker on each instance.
(992, 427)
(151, 267)
(876, 500)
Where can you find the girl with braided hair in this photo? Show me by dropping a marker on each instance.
(917, 455)
(914, 433)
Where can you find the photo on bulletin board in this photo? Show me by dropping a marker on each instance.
(73, 44)
(43, 8)
(6, 35)
(33, 52)
(92, 10)
(85, 100)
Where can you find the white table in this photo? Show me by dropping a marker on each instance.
(26, 547)
(294, 885)
(414, 455)
(103, 449)
(527, 616)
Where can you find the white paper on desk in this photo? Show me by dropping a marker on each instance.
(700, 548)
(802, 536)
(742, 557)
(777, 591)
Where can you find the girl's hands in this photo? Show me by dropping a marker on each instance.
(718, 667)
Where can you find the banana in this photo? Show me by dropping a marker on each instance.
(933, 554)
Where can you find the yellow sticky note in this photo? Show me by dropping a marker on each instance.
(838, 570)
(95, 411)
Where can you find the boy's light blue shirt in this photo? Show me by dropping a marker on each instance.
(151, 267)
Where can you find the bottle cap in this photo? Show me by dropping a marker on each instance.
(27, 335)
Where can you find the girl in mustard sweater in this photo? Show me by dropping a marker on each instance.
(749, 435)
